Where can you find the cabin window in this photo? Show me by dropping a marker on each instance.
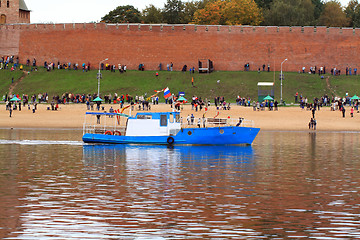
(171, 118)
(144, 117)
(163, 120)
(177, 118)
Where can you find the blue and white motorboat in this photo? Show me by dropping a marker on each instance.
(166, 128)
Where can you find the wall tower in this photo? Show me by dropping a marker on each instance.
(14, 11)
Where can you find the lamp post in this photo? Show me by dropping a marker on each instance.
(99, 76)
(281, 78)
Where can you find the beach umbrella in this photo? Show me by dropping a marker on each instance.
(14, 99)
(355, 97)
(268, 98)
(97, 100)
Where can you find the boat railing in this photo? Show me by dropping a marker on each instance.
(218, 122)
(104, 123)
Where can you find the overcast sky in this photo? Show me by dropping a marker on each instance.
(79, 11)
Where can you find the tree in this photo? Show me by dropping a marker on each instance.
(290, 13)
(151, 14)
(173, 12)
(189, 10)
(352, 12)
(265, 4)
(333, 15)
(123, 14)
(212, 14)
(319, 5)
(230, 12)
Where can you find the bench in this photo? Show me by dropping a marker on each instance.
(216, 121)
(99, 131)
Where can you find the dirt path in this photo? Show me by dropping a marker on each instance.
(329, 86)
(13, 85)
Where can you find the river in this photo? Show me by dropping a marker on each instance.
(287, 185)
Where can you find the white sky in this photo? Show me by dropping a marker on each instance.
(79, 11)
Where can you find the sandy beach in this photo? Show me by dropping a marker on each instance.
(285, 119)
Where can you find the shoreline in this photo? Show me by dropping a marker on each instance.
(71, 117)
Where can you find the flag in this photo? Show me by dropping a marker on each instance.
(167, 93)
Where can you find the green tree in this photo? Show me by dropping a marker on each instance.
(151, 14)
(290, 13)
(173, 12)
(189, 10)
(264, 4)
(319, 5)
(123, 14)
(352, 12)
(333, 15)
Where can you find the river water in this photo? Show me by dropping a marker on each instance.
(287, 185)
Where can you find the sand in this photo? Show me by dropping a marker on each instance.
(285, 119)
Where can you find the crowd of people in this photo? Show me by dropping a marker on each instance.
(144, 103)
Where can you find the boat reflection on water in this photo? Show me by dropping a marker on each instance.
(100, 155)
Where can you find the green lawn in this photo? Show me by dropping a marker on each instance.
(134, 82)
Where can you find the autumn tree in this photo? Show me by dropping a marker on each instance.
(333, 15)
(123, 14)
(152, 14)
(230, 12)
(212, 14)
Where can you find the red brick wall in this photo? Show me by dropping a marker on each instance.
(9, 40)
(230, 47)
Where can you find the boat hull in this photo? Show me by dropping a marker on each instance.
(194, 136)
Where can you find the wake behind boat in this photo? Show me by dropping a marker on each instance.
(166, 128)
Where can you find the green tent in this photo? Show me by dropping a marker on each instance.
(14, 99)
(268, 98)
(97, 100)
(182, 99)
(355, 97)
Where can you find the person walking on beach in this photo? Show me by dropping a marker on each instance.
(343, 111)
(10, 111)
(313, 111)
(352, 112)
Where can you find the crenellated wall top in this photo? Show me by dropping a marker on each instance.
(180, 28)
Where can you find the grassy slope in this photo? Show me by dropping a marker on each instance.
(5, 79)
(137, 83)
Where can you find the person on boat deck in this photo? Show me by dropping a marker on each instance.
(240, 121)
(204, 121)
(199, 123)
(188, 119)
(111, 110)
(98, 119)
(192, 119)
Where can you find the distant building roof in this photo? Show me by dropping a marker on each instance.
(22, 5)
(269, 84)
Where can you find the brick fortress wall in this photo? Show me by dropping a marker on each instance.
(230, 47)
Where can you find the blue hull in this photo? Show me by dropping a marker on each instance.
(202, 136)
